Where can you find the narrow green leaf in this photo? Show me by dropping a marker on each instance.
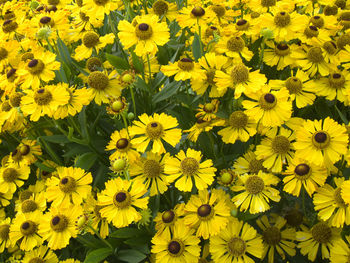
(126, 232)
(131, 255)
(137, 63)
(342, 116)
(98, 255)
(168, 91)
(196, 47)
(86, 161)
(44, 167)
(56, 138)
(117, 62)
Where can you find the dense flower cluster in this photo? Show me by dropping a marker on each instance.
(174, 131)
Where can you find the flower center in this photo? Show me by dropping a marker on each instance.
(5, 106)
(317, 21)
(68, 184)
(338, 199)
(242, 25)
(268, 3)
(302, 171)
(320, 139)
(282, 19)
(143, 31)
(101, 2)
(24, 195)
(235, 44)
(24, 149)
(36, 260)
(90, 39)
(98, 80)
(238, 120)
(209, 107)
(330, 47)
(294, 217)
(152, 168)
(254, 185)
(280, 144)
(205, 212)
(186, 64)
(282, 50)
(294, 85)
(336, 80)
(10, 75)
(219, 10)
(59, 223)
(93, 64)
(198, 11)
(15, 99)
(168, 216)
(343, 40)
(122, 144)
(209, 32)
(175, 248)
(239, 74)
(226, 178)
(10, 175)
(9, 26)
(154, 130)
(255, 166)
(122, 199)
(210, 74)
(311, 31)
(189, 166)
(321, 232)
(28, 206)
(330, 10)
(160, 7)
(42, 97)
(268, 101)
(27, 56)
(4, 232)
(315, 55)
(237, 246)
(28, 228)
(35, 66)
(53, 2)
(272, 235)
(3, 53)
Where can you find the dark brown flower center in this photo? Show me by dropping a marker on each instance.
(254, 184)
(321, 232)
(198, 11)
(272, 236)
(122, 143)
(168, 216)
(204, 210)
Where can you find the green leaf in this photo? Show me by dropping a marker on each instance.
(86, 161)
(44, 167)
(126, 232)
(131, 255)
(342, 116)
(90, 241)
(137, 63)
(168, 91)
(56, 139)
(117, 62)
(98, 255)
(76, 150)
(63, 52)
(196, 47)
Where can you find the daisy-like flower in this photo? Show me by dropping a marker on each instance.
(92, 41)
(239, 126)
(58, 225)
(300, 173)
(167, 220)
(8, 50)
(320, 235)
(207, 212)
(239, 79)
(145, 32)
(41, 67)
(184, 69)
(31, 203)
(270, 108)
(227, 177)
(248, 163)
(255, 192)
(279, 55)
(26, 151)
(300, 88)
(122, 143)
(208, 111)
(42, 253)
(335, 86)
(330, 205)
(5, 241)
(340, 252)
(238, 242)
(72, 185)
(234, 47)
(24, 230)
(180, 246)
(276, 238)
(43, 101)
(150, 170)
(294, 217)
(12, 176)
(164, 10)
(78, 98)
(277, 149)
(202, 126)
(155, 129)
(5, 198)
(103, 86)
(96, 9)
(120, 199)
(322, 142)
(186, 168)
(193, 16)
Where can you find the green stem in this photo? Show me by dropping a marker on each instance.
(125, 123)
(50, 151)
(133, 98)
(149, 69)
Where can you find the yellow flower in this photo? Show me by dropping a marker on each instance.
(120, 199)
(184, 69)
(207, 212)
(155, 129)
(340, 251)
(41, 253)
(234, 47)
(179, 246)
(145, 32)
(238, 242)
(30, 202)
(70, 186)
(12, 176)
(248, 163)
(96, 10)
(44, 101)
(202, 126)
(186, 168)
(164, 10)
(208, 111)
(255, 192)
(322, 142)
(5, 241)
(167, 220)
